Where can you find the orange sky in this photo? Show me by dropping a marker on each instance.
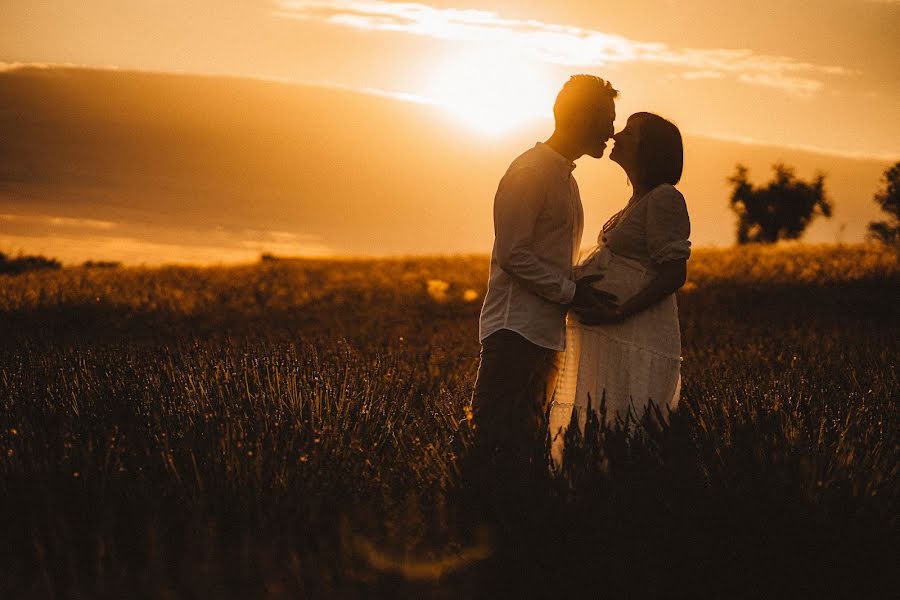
(818, 73)
(95, 167)
(150, 168)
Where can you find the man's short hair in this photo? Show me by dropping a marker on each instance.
(581, 93)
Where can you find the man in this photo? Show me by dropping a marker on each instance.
(538, 222)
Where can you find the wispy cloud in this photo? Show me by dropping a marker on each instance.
(702, 75)
(884, 157)
(17, 66)
(796, 85)
(283, 243)
(561, 44)
(75, 240)
(406, 97)
(53, 221)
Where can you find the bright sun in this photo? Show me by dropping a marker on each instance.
(492, 92)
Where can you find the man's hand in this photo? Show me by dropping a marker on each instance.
(600, 314)
(586, 296)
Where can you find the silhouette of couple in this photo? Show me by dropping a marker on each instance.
(560, 333)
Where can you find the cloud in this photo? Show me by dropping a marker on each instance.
(74, 241)
(56, 222)
(560, 44)
(885, 157)
(75, 249)
(336, 85)
(283, 243)
(15, 66)
(702, 75)
(7, 67)
(793, 85)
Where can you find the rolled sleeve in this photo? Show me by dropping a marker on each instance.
(668, 226)
(518, 204)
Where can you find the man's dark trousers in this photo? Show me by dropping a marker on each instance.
(510, 407)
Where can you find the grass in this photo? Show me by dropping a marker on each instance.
(294, 429)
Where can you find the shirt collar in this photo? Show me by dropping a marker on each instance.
(555, 157)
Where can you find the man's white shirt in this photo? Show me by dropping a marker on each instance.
(538, 223)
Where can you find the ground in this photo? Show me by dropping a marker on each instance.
(293, 428)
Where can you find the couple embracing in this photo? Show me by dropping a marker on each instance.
(558, 333)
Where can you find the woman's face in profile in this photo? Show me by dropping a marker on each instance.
(625, 148)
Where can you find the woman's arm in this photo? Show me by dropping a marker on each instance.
(670, 276)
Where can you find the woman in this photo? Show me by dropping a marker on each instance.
(631, 352)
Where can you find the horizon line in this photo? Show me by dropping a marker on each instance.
(389, 256)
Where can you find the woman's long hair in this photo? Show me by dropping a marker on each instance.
(660, 155)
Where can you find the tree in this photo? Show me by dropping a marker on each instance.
(780, 210)
(23, 264)
(889, 199)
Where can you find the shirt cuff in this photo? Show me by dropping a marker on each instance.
(568, 291)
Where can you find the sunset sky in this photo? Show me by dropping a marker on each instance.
(817, 73)
(231, 169)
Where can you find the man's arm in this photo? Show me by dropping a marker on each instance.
(518, 204)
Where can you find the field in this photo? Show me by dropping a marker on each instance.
(293, 428)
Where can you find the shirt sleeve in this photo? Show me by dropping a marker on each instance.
(668, 226)
(520, 199)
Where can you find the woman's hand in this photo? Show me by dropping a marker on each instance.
(600, 314)
(586, 296)
(670, 277)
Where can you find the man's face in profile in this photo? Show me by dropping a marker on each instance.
(600, 129)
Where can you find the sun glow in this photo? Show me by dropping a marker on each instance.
(492, 92)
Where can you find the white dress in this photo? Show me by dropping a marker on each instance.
(639, 359)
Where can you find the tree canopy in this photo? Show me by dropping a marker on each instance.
(779, 210)
(888, 198)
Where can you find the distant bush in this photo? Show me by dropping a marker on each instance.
(101, 264)
(22, 264)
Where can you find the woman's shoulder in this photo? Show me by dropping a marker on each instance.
(666, 196)
(666, 190)
(667, 203)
